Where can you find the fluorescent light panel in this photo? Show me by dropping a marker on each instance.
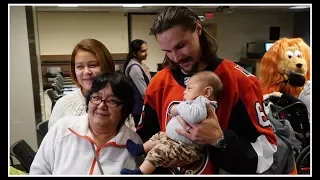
(132, 5)
(299, 7)
(67, 5)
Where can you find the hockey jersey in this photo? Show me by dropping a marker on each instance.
(247, 130)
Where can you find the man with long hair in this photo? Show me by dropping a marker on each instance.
(239, 136)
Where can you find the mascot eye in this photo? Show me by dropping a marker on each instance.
(297, 53)
(289, 54)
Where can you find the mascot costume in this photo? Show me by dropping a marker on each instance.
(285, 67)
(284, 70)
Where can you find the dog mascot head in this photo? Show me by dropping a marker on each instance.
(285, 67)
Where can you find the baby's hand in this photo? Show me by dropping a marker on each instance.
(173, 110)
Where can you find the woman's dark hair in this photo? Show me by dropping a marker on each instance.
(172, 16)
(135, 47)
(122, 88)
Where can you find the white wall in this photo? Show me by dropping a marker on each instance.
(22, 113)
(141, 25)
(233, 32)
(59, 32)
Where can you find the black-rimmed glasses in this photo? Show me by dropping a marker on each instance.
(110, 103)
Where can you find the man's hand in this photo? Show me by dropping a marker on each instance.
(207, 131)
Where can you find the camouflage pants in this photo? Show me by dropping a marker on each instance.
(168, 149)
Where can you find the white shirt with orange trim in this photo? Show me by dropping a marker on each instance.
(67, 150)
(72, 104)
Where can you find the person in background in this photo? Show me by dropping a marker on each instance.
(88, 59)
(239, 134)
(138, 73)
(94, 143)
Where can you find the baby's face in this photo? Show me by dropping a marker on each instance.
(193, 90)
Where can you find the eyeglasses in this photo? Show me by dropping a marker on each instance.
(110, 103)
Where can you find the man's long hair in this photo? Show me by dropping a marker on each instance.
(172, 16)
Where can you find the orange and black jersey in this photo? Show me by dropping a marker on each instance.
(250, 139)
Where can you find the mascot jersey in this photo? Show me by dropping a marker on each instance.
(239, 113)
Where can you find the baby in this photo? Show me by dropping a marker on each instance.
(164, 147)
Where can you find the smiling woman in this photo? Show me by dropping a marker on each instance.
(94, 143)
(89, 58)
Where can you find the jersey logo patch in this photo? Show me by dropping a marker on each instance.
(185, 80)
(262, 118)
(243, 70)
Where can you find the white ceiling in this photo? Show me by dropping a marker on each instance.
(155, 9)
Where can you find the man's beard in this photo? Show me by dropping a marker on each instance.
(194, 69)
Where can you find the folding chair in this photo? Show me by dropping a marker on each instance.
(42, 127)
(23, 152)
(53, 95)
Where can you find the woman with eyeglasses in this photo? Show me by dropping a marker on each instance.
(94, 143)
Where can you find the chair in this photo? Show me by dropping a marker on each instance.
(42, 128)
(64, 85)
(23, 152)
(57, 88)
(53, 95)
(61, 91)
(64, 79)
(303, 161)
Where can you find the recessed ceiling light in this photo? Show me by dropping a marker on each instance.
(67, 5)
